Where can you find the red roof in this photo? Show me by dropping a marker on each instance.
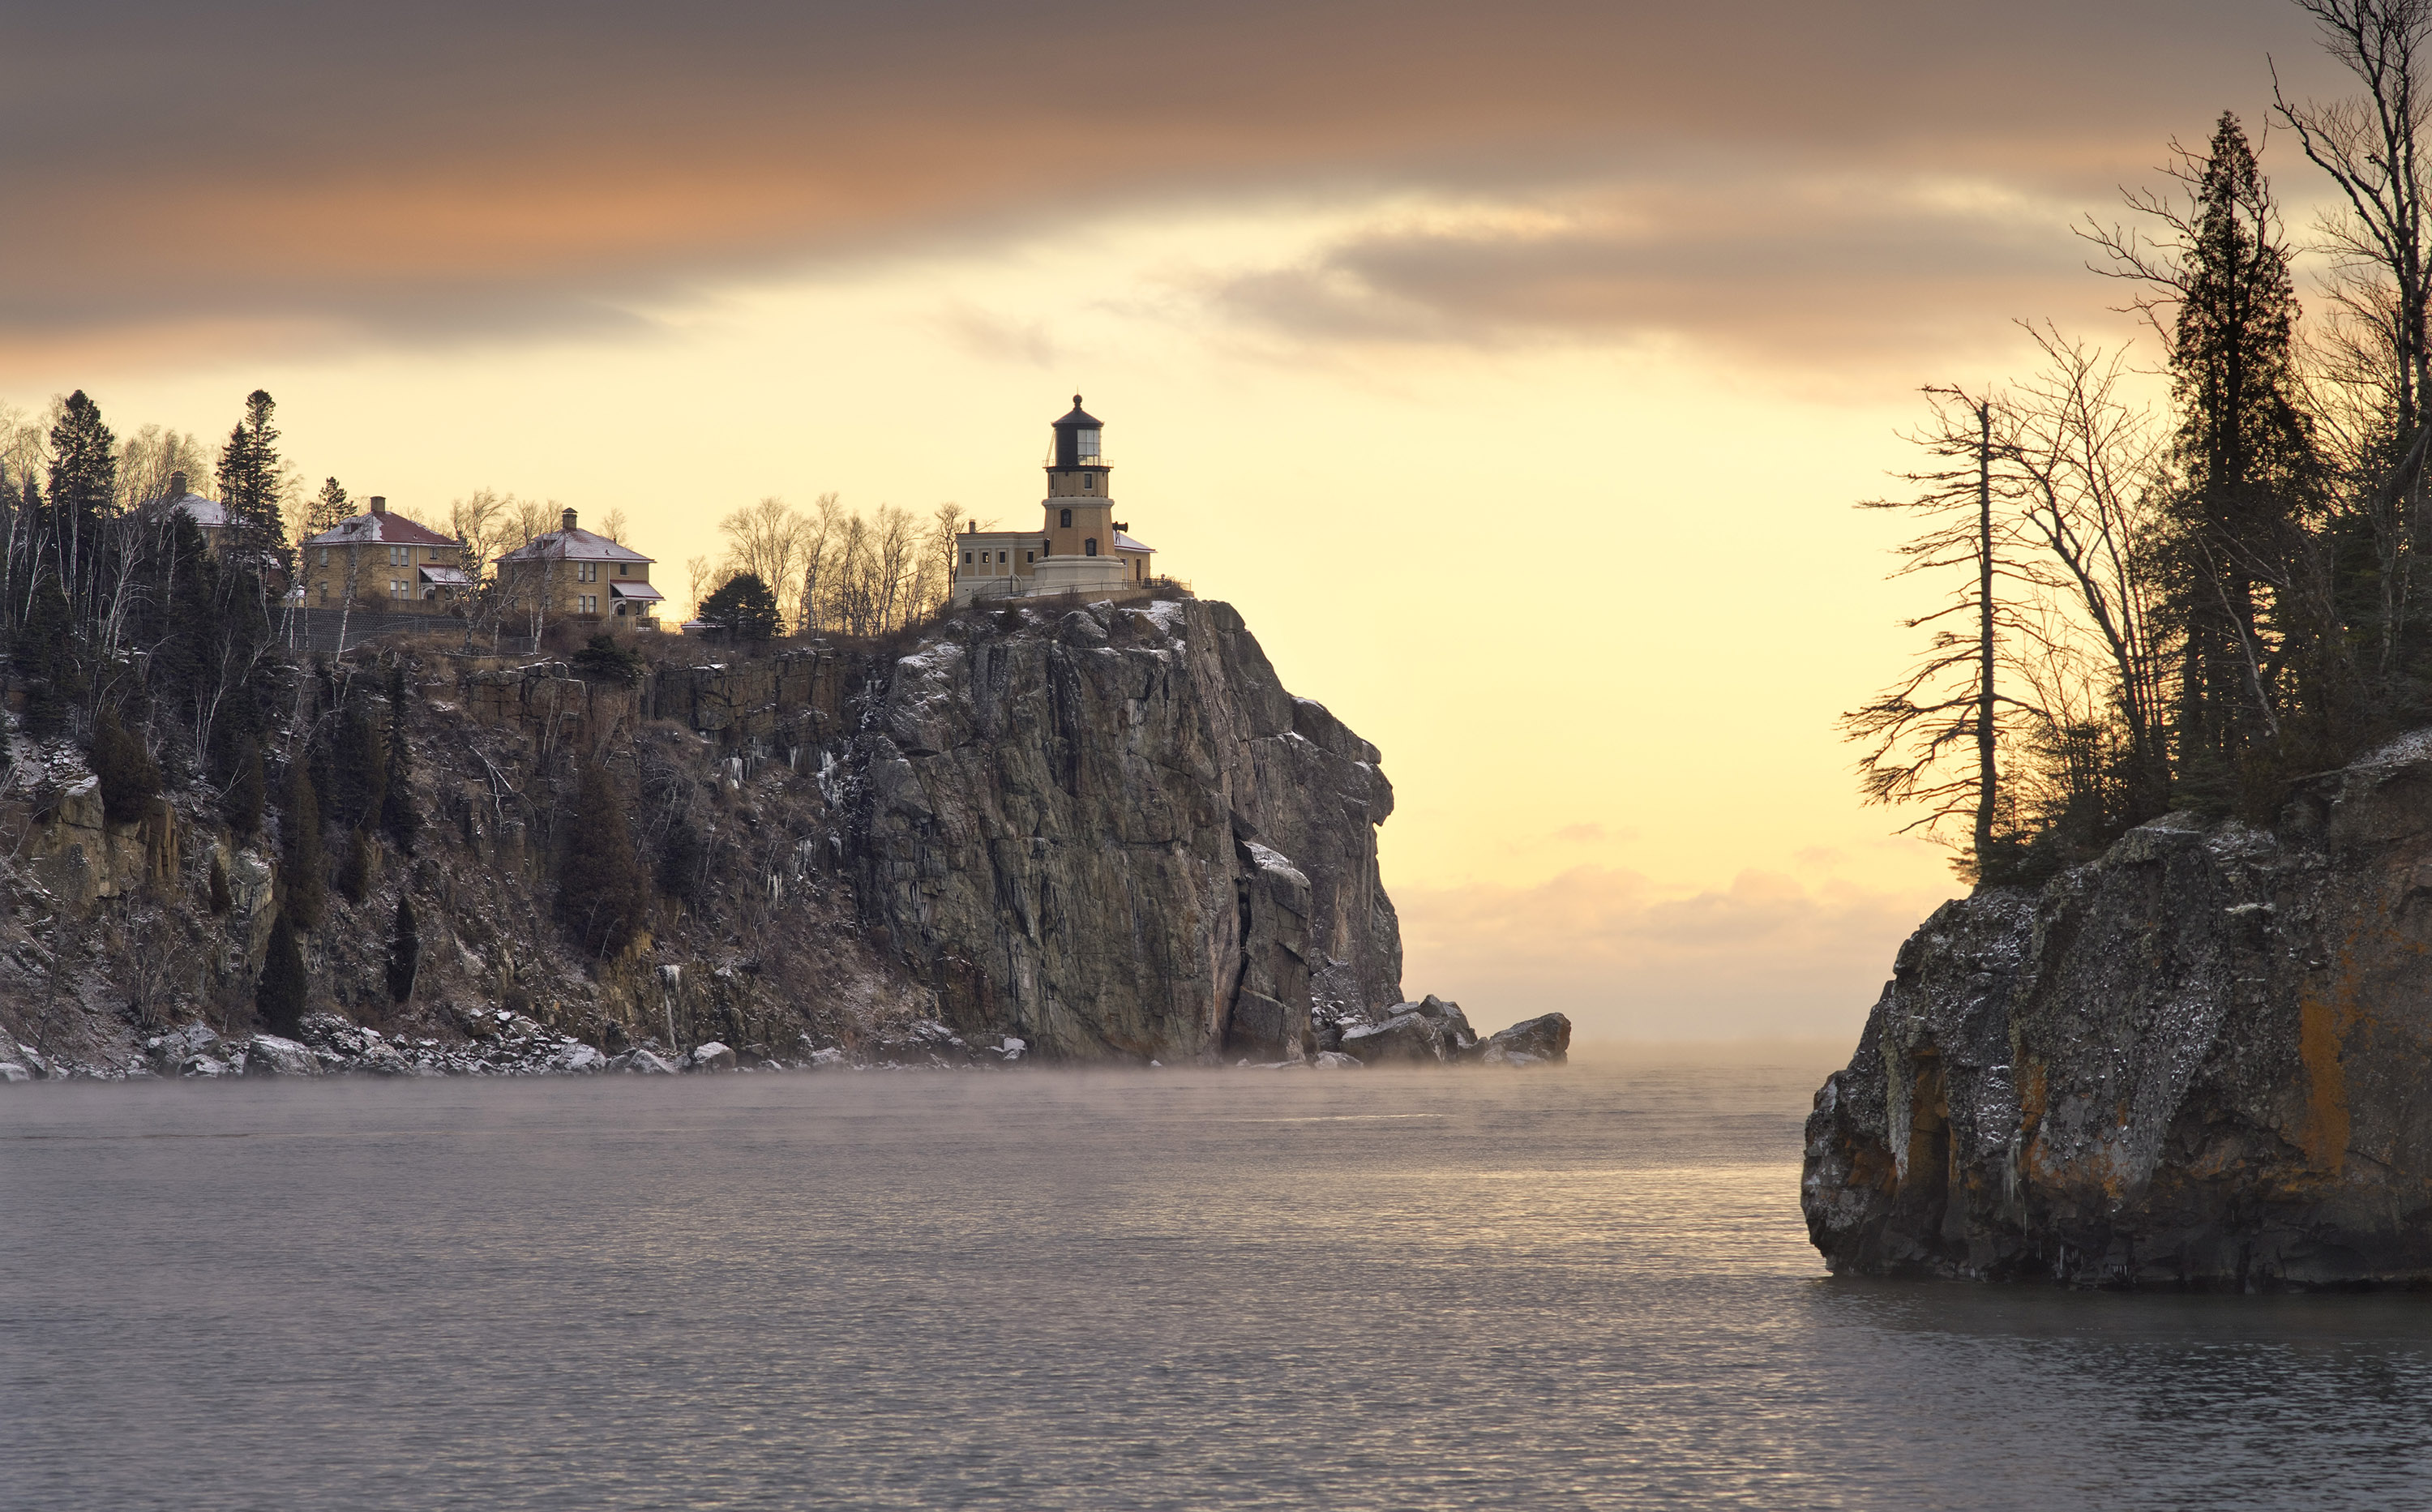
(380, 530)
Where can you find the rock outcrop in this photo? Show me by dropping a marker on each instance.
(2204, 1061)
(1125, 838)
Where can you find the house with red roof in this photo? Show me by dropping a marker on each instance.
(383, 562)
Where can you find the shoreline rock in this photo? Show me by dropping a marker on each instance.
(2201, 1061)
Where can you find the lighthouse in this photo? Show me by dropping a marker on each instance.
(1079, 547)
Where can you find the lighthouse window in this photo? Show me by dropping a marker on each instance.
(1089, 548)
(1030, 556)
(1066, 520)
(1089, 484)
(1002, 555)
(967, 558)
(1086, 439)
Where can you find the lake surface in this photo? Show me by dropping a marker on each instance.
(1587, 1288)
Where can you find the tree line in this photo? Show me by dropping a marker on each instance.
(2195, 607)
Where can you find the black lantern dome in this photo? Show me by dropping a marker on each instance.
(1077, 443)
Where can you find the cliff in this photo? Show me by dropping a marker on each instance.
(1090, 834)
(2204, 1061)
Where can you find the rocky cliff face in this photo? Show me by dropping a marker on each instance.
(1125, 837)
(2203, 1061)
(1102, 832)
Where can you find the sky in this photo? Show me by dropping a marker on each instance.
(1512, 368)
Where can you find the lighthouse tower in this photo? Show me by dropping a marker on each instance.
(1080, 546)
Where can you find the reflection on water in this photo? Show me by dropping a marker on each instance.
(1588, 1289)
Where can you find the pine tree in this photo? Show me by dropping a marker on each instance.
(251, 481)
(400, 819)
(84, 492)
(404, 951)
(278, 997)
(306, 872)
(602, 895)
(130, 778)
(328, 509)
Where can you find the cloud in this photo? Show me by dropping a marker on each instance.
(459, 169)
(1626, 957)
(1799, 269)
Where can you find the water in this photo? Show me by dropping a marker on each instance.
(1582, 1289)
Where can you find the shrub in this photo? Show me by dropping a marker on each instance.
(604, 661)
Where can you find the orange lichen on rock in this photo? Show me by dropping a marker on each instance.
(2321, 1025)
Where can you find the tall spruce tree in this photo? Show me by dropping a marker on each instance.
(2246, 452)
(603, 895)
(307, 872)
(400, 819)
(278, 997)
(84, 492)
(251, 481)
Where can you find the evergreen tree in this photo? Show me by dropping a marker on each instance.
(328, 509)
(128, 776)
(251, 481)
(278, 997)
(246, 794)
(360, 767)
(44, 658)
(400, 819)
(84, 492)
(404, 951)
(306, 872)
(743, 609)
(602, 895)
(2246, 451)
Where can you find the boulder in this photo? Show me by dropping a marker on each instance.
(643, 1063)
(1545, 1041)
(830, 1058)
(267, 1055)
(1458, 1036)
(11, 1071)
(170, 1053)
(576, 1060)
(1334, 1061)
(710, 1057)
(1405, 1039)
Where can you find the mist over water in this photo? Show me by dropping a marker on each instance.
(1587, 1288)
